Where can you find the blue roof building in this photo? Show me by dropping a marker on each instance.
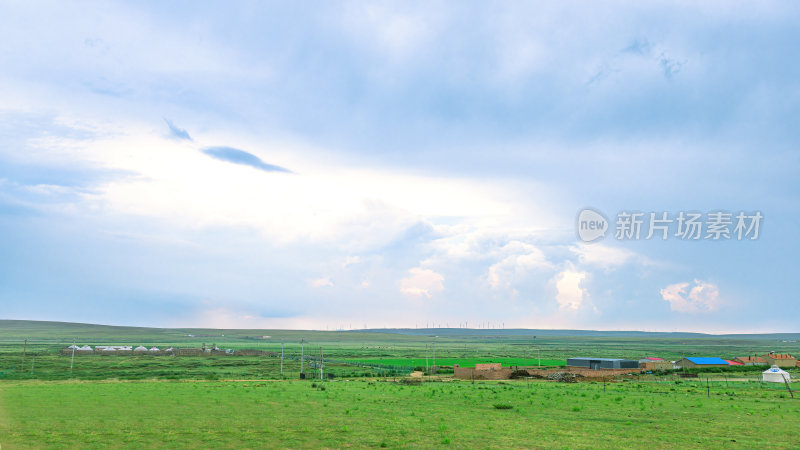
(702, 361)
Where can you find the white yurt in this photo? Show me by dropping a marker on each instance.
(140, 349)
(775, 375)
(155, 349)
(85, 348)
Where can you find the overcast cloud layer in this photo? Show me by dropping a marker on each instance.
(350, 164)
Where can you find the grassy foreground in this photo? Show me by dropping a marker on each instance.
(363, 413)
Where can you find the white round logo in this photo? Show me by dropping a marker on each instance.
(592, 225)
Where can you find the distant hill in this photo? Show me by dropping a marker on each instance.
(15, 329)
(521, 332)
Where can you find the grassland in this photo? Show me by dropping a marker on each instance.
(366, 413)
(240, 401)
(463, 362)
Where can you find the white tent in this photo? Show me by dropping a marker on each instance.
(85, 348)
(775, 375)
(154, 349)
(140, 349)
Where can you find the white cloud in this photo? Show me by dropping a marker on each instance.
(421, 283)
(702, 297)
(322, 282)
(350, 260)
(570, 295)
(394, 33)
(353, 208)
(522, 257)
(603, 255)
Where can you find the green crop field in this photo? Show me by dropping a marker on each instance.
(373, 414)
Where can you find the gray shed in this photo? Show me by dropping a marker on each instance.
(603, 363)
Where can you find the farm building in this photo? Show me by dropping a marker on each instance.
(751, 360)
(698, 361)
(655, 365)
(775, 375)
(733, 362)
(489, 366)
(603, 363)
(645, 360)
(779, 359)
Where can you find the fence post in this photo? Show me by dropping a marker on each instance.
(786, 382)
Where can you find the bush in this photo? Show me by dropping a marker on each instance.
(502, 406)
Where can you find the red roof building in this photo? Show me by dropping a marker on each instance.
(751, 360)
(734, 363)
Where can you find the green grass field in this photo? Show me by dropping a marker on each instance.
(464, 362)
(373, 414)
(240, 401)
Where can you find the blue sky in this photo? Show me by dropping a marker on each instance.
(342, 164)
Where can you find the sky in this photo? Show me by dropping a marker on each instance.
(338, 165)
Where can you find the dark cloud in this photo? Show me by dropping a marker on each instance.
(176, 132)
(670, 66)
(236, 156)
(639, 46)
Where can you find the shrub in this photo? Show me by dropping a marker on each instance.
(502, 406)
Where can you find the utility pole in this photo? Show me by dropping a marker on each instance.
(427, 370)
(302, 356)
(71, 363)
(281, 358)
(24, 350)
(321, 363)
(539, 353)
(434, 356)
